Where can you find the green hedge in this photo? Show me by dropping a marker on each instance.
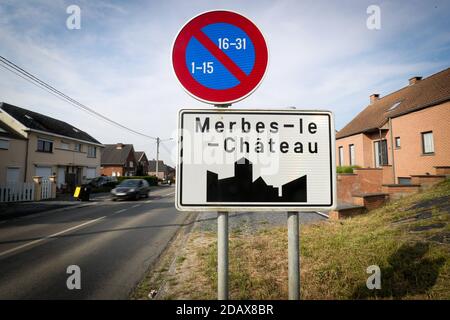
(346, 169)
(152, 180)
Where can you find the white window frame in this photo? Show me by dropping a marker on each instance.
(45, 141)
(6, 144)
(92, 152)
(351, 150)
(341, 156)
(427, 142)
(399, 144)
(64, 145)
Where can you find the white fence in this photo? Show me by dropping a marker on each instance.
(46, 189)
(14, 192)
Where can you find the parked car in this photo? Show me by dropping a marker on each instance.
(131, 189)
(101, 181)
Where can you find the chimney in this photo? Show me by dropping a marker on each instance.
(374, 97)
(119, 146)
(414, 80)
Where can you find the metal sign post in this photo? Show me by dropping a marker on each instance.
(222, 255)
(293, 256)
(222, 248)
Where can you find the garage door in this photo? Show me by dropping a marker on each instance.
(91, 173)
(12, 175)
(44, 172)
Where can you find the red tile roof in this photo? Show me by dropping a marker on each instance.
(425, 93)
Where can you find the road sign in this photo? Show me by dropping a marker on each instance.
(234, 160)
(220, 57)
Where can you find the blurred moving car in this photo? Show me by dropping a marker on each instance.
(131, 189)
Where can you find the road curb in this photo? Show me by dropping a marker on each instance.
(183, 231)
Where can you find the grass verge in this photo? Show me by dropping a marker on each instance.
(408, 239)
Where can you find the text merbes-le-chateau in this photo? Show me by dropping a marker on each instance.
(231, 144)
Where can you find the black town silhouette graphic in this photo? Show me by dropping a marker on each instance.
(242, 188)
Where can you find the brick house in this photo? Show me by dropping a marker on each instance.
(405, 133)
(162, 170)
(118, 160)
(142, 163)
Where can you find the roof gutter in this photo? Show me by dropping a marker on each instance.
(371, 130)
(65, 137)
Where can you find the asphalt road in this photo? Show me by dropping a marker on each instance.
(113, 243)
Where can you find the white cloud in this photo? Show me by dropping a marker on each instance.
(321, 56)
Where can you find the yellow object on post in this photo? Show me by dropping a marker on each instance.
(77, 192)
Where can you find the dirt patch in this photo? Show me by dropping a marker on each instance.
(442, 203)
(428, 227)
(443, 238)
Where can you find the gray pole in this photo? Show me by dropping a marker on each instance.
(222, 255)
(293, 256)
(157, 158)
(222, 249)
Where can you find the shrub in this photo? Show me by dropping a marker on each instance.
(346, 169)
(152, 180)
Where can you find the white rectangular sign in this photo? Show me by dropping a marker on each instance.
(272, 160)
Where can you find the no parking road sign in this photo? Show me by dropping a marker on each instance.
(220, 57)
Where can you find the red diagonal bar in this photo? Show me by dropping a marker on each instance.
(220, 55)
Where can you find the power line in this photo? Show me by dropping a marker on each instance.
(22, 73)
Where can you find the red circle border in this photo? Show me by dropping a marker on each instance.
(202, 92)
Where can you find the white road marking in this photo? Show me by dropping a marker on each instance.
(50, 236)
(68, 230)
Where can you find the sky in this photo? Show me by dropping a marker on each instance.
(322, 55)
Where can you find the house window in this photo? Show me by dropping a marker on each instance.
(77, 147)
(351, 148)
(427, 142)
(44, 146)
(4, 144)
(380, 151)
(92, 152)
(397, 142)
(402, 180)
(341, 156)
(131, 164)
(64, 146)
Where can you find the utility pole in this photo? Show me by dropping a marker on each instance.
(158, 141)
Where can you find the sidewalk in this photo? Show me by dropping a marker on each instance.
(19, 209)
